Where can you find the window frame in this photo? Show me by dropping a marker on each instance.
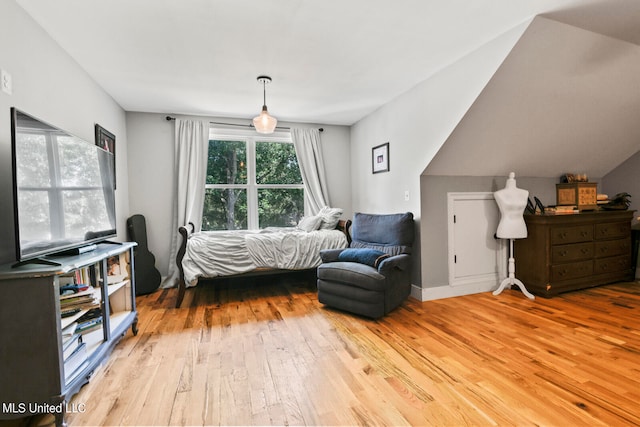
(251, 138)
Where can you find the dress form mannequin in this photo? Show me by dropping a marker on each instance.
(512, 202)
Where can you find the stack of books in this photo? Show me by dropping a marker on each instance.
(72, 303)
(560, 210)
(90, 321)
(74, 351)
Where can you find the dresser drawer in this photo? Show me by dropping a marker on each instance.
(576, 234)
(574, 252)
(613, 230)
(572, 270)
(609, 248)
(612, 264)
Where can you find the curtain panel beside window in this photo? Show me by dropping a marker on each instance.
(310, 159)
(191, 142)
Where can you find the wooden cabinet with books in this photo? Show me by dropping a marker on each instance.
(58, 323)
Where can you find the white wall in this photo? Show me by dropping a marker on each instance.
(151, 157)
(416, 124)
(48, 84)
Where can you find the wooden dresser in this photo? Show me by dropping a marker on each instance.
(568, 252)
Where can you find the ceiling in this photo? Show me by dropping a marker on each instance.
(332, 61)
(565, 99)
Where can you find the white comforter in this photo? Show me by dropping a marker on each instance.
(222, 253)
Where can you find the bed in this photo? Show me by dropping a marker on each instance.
(241, 253)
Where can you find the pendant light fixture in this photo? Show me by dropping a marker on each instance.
(264, 123)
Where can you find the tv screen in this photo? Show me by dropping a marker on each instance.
(64, 194)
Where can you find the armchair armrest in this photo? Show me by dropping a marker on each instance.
(330, 255)
(397, 262)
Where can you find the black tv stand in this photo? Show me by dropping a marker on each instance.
(35, 261)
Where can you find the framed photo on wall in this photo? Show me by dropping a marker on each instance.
(380, 158)
(107, 141)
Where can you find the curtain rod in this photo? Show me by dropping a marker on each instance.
(169, 118)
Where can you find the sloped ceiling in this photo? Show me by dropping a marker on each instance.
(566, 99)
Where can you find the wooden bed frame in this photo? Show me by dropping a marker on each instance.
(187, 230)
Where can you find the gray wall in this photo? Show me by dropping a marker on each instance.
(625, 179)
(50, 85)
(416, 124)
(434, 238)
(151, 171)
(516, 104)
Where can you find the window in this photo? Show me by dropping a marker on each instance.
(252, 182)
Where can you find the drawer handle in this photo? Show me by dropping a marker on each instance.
(585, 251)
(584, 233)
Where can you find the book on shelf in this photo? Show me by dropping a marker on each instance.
(90, 321)
(75, 361)
(82, 300)
(82, 275)
(71, 289)
(70, 345)
(89, 326)
(88, 291)
(68, 331)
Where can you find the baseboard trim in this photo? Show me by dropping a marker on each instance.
(440, 292)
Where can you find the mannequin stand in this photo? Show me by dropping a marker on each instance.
(511, 280)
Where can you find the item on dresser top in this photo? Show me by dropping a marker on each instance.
(581, 194)
(620, 201)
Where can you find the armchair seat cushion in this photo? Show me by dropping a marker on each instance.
(352, 274)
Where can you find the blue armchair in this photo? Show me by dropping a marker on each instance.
(373, 275)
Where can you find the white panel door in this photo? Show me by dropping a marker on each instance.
(475, 256)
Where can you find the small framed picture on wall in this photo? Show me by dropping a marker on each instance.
(380, 158)
(107, 141)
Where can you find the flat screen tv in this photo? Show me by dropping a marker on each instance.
(63, 191)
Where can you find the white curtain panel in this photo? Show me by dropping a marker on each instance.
(191, 145)
(309, 153)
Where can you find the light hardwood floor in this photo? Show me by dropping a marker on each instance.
(267, 353)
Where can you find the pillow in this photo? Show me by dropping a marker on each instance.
(309, 223)
(330, 217)
(370, 257)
